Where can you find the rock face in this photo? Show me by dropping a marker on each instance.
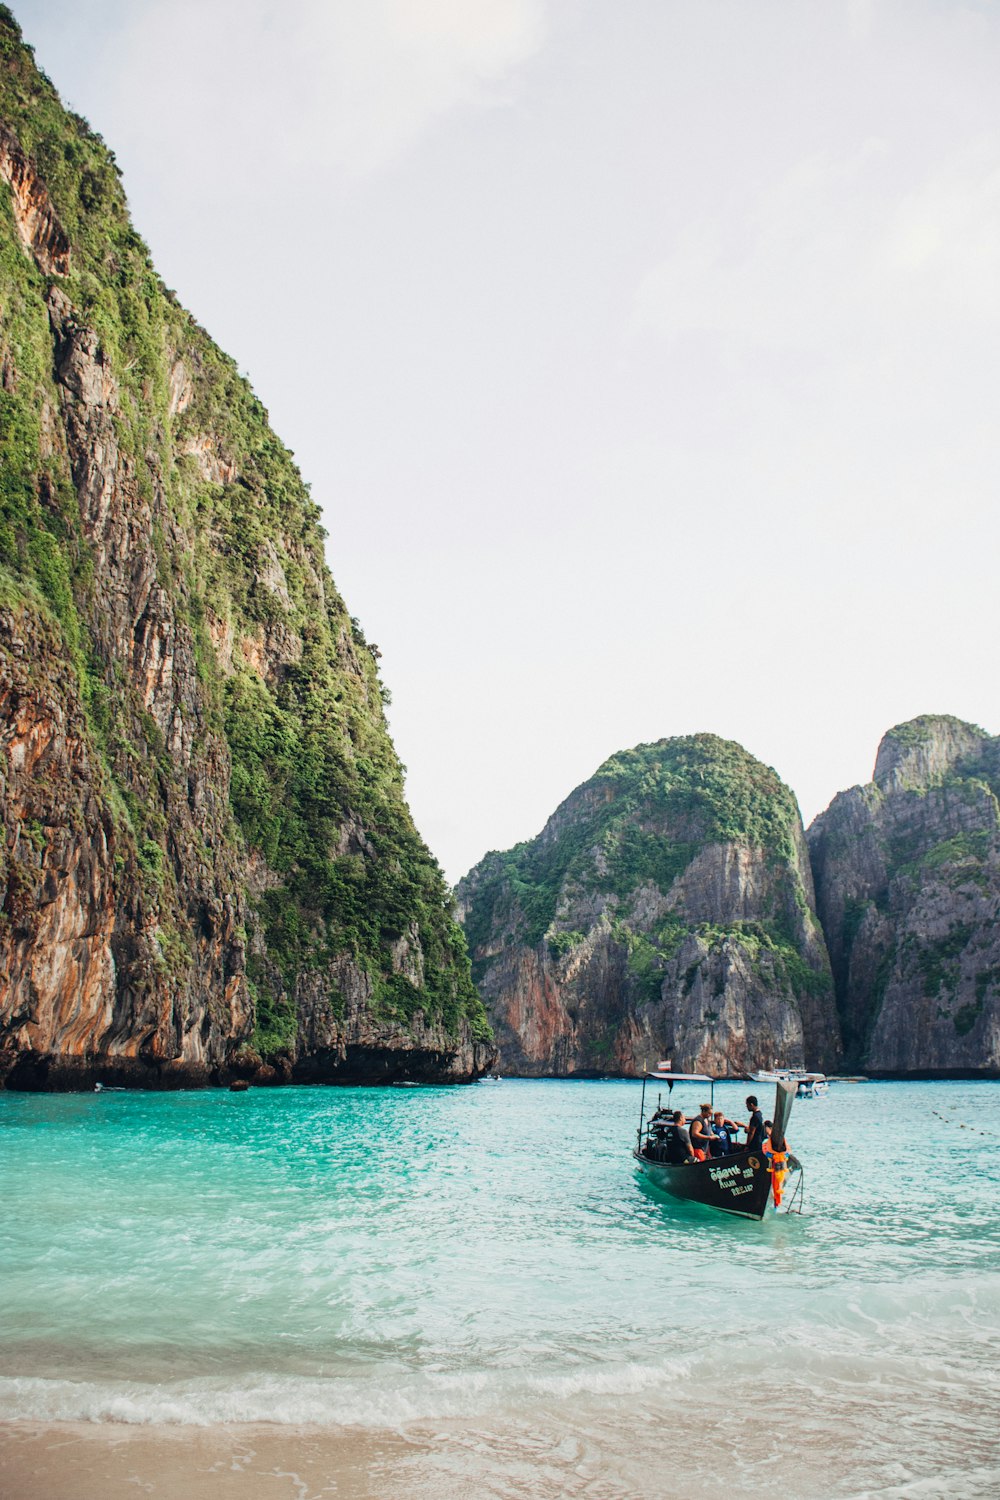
(666, 910)
(907, 875)
(208, 867)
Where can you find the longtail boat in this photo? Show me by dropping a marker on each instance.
(742, 1182)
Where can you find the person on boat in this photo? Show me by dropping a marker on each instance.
(723, 1135)
(677, 1140)
(765, 1144)
(755, 1125)
(701, 1132)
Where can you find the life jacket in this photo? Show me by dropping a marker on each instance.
(778, 1161)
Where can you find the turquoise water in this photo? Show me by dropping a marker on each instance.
(484, 1262)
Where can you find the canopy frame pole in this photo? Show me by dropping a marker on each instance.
(642, 1112)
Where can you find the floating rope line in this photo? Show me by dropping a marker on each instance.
(987, 1135)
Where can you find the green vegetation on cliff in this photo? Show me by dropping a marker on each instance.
(926, 727)
(641, 820)
(287, 683)
(665, 910)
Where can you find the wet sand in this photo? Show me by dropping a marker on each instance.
(453, 1461)
(90, 1461)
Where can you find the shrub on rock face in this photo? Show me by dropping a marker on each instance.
(666, 908)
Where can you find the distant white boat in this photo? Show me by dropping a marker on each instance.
(810, 1085)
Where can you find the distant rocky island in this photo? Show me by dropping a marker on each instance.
(208, 869)
(665, 910)
(907, 873)
(671, 907)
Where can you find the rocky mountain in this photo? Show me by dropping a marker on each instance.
(208, 866)
(665, 910)
(907, 874)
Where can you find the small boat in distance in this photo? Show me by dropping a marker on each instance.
(809, 1085)
(743, 1182)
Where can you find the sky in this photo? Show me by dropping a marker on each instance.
(642, 355)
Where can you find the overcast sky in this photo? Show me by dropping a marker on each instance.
(643, 355)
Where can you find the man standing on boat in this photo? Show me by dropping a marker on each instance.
(755, 1127)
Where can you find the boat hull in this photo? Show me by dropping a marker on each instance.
(737, 1184)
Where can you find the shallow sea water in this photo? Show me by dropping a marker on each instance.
(481, 1269)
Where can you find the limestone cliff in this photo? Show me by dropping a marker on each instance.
(907, 876)
(666, 910)
(208, 866)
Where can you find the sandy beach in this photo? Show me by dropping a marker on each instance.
(451, 1461)
(90, 1461)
